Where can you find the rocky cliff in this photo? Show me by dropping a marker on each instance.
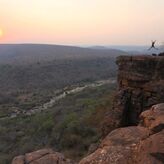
(140, 86)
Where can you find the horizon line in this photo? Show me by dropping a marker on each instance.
(77, 45)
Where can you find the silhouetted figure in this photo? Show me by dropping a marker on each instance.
(153, 45)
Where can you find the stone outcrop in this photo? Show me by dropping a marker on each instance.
(140, 85)
(142, 144)
(153, 119)
(43, 156)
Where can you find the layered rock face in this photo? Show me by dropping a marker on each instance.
(140, 85)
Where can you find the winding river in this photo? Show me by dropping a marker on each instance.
(62, 94)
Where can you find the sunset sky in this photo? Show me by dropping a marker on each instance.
(82, 22)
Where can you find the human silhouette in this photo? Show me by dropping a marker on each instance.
(153, 45)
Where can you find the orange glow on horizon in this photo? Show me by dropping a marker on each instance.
(74, 22)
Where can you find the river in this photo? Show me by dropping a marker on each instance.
(60, 95)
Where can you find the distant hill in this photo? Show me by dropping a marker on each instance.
(123, 48)
(53, 66)
(132, 50)
(31, 53)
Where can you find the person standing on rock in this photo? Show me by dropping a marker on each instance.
(153, 45)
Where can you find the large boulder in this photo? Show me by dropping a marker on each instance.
(117, 147)
(153, 119)
(43, 156)
(150, 150)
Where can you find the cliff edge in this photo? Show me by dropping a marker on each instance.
(140, 85)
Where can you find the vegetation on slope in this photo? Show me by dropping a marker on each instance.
(25, 86)
(70, 126)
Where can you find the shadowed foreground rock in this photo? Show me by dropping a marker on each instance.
(43, 156)
(142, 144)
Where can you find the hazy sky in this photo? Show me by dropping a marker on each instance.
(92, 22)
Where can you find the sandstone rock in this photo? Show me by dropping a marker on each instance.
(140, 85)
(135, 144)
(117, 147)
(112, 155)
(29, 157)
(125, 136)
(150, 150)
(43, 156)
(153, 119)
